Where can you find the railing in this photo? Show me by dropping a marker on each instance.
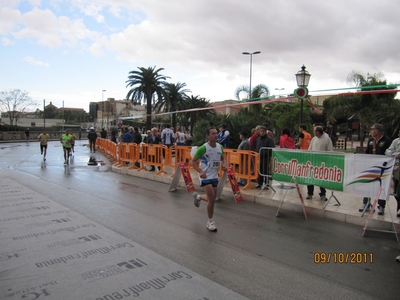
(144, 156)
(154, 155)
(12, 136)
(244, 163)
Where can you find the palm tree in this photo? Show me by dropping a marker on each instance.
(259, 91)
(370, 108)
(172, 100)
(193, 117)
(145, 84)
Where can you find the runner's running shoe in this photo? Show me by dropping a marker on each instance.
(196, 198)
(211, 226)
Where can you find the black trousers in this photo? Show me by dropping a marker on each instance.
(381, 203)
(92, 145)
(310, 190)
(397, 192)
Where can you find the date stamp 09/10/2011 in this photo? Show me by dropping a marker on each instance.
(343, 258)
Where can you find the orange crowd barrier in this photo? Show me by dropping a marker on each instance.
(181, 154)
(244, 163)
(108, 148)
(128, 153)
(154, 155)
(99, 144)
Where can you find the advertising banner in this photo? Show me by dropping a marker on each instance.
(186, 177)
(237, 195)
(357, 174)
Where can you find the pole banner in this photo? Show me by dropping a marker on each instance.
(237, 195)
(357, 174)
(187, 178)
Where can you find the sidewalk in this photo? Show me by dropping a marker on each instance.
(346, 212)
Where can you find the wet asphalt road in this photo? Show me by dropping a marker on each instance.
(253, 253)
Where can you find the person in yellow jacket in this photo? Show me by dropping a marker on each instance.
(66, 141)
(43, 139)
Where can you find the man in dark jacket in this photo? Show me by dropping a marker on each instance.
(154, 138)
(137, 137)
(126, 137)
(92, 136)
(265, 156)
(103, 133)
(377, 144)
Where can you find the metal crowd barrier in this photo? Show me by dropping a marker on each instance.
(264, 167)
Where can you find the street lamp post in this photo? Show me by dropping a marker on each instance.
(63, 121)
(44, 113)
(302, 78)
(279, 91)
(251, 66)
(103, 106)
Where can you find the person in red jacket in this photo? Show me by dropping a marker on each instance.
(286, 141)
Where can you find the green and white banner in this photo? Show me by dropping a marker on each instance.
(358, 174)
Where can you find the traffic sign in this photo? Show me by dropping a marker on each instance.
(301, 92)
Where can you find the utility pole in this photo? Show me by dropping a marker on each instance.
(44, 113)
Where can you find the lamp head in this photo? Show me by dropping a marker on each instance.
(303, 77)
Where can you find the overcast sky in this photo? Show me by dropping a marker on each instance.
(70, 51)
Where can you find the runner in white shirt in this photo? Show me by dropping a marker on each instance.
(211, 156)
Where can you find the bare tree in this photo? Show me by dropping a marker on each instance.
(14, 103)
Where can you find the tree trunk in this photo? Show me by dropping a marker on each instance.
(148, 111)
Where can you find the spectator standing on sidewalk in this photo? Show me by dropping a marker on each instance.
(265, 156)
(27, 135)
(269, 132)
(224, 137)
(211, 156)
(167, 136)
(126, 137)
(121, 132)
(244, 145)
(137, 137)
(377, 144)
(114, 133)
(304, 138)
(180, 137)
(189, 138)
(147, 137)
(92, 137)
(253, 138)
(103, 133)
(320, 142)
(286, 141)
(394, 150)
(154, 139)
(131, 132)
